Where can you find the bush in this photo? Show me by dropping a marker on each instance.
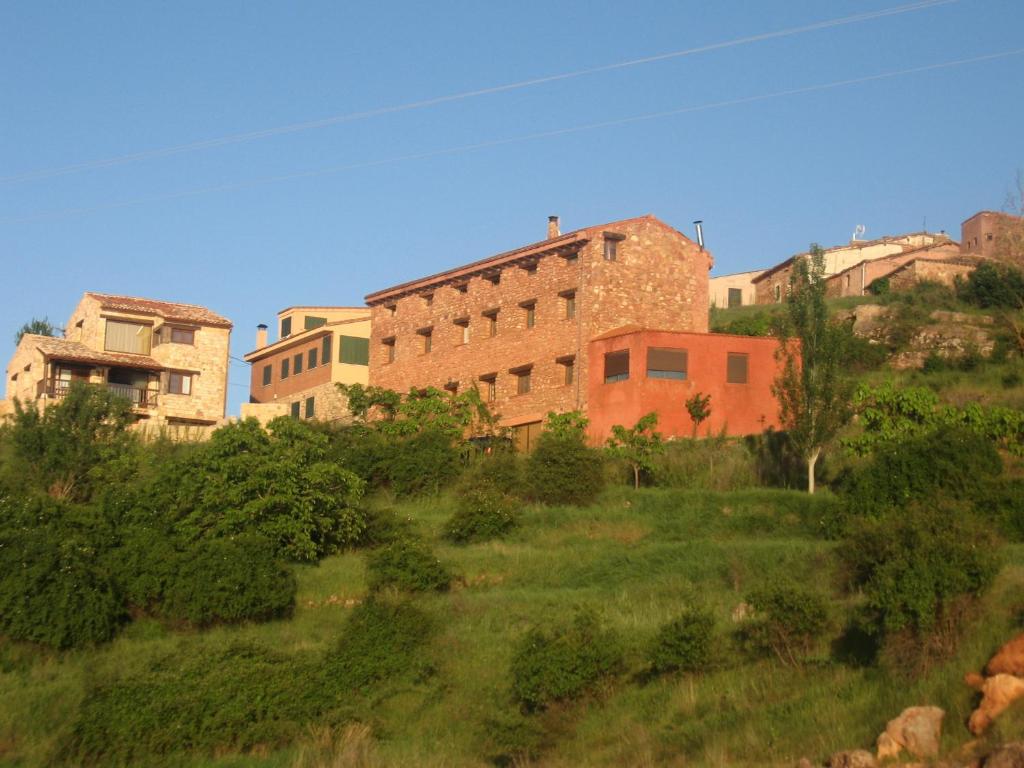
(406, 564)
(501, 471)
(481, 515)
(1001, 502)
(53, 592)
(235, 698)
(230, 580)
(144, 566)
(949, 462)
(993, 286)
(917, 568)
(562, 664)
(788, 621)
(712, 464)
(423, 463)
(380, 640)
(685, 644)
(563, 470)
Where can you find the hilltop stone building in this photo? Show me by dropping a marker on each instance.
(317, 348)
(734, 290)
(519, 326)
(987, 233)
(169, 359)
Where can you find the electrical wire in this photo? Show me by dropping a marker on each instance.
(238, 138)
(511, 140)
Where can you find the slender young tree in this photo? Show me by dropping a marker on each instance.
(637, 445)
(40, 327)
(699, 408)
(813, 391)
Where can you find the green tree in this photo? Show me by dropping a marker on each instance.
(638, 445)
(699, 408)
(812, 389)
(39, 327)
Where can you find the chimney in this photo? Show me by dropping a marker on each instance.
(700, 233)
(261, 336)
(553, 227)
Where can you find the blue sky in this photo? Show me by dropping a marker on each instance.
(88, 82)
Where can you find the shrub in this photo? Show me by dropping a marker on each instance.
(1001, 502)
(234, 698)
(481, 515)
(993, 286)
(144, 566)
(917, 568)
(712, 464)
(230, 580)
(52, 591)
(406, 564)
(380, 640)
(563, 663)
(685, 644)
(563, 470)
(788, 621)
(423, 463)
(500, 471)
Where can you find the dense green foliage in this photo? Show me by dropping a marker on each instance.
(685, 644)
(789, 619)
(481, 514)
(38, 327)
(993, 285)
(637, 445)
(424, 462)
(562, 469)
(406, 564)
(562, 663)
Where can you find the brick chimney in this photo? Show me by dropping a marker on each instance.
(261, 336)
(553, 227)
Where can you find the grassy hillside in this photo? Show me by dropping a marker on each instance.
(637, 558)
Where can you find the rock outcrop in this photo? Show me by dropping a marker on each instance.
(917, 730)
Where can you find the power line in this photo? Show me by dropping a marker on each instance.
(237, 138)
(512, 140)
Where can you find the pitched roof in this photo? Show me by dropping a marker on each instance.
(168, 310)
(74, 351)
(566, 242)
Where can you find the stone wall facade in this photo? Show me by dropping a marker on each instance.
(855, 280)
(928, 270)
(516, 325)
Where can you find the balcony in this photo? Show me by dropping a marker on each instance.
(140, 397)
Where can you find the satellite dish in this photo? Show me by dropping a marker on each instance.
(858, 231)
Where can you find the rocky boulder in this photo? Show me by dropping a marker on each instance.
(1009, 660)
(917, 730)
(997, 693)
(854, 758)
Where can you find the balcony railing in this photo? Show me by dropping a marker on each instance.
(141, 397)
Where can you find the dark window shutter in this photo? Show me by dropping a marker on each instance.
(267, 373)
(309, 407)
(314, 322)
(736, 369)
(296, 406)
(616, 366)
(355, 350)
(665, 363)
(286, 327)
(325, 350)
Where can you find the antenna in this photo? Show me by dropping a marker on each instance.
(858, 231)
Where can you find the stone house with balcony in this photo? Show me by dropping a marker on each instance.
(169, 359)
(521, 327)
(317, 348)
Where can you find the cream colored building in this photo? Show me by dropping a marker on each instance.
(317, 348)
(735, 290)
(169, 359)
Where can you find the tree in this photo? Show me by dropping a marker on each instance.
(699, 408)
(637, 445)
(39, 327)
(812, 389)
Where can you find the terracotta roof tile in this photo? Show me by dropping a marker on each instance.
(77, 352)
(168, 310)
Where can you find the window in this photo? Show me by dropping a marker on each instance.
(428, 299)
(183, 336)
(311, 358)
(570, 304)
(666, 363)
(179, 383)
(492, 322)
(284, 368)
(428, 339)
(286, 327)
(462, 287)
(309, 407)
(463, 324)
(268, 371)
(389, 349)
(314, 322)
(325, 349)
(988, 236)
(295, 409)
(568, 369)
(490, 387)
(616, 366)
(522, 379)
(391, 308)
(134, 338)
(778, 293)
(611, 250)
(848, 281)
(530, 267)
(531, 312)
(355, 350)
(736, 368)
(493, 278)
(297, 364)
(735, 297)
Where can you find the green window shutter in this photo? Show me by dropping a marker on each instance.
(325, 352)
(295, 409)
(286, 327)
(309, 407)
(355, 350)
(267, 371)
(284, 368)
(314, 322)
(311, 361)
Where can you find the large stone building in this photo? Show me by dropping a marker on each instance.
(519, 325)
(317, 348)
(169, 359)
(993, 234)
(772, 285)
(855, 280)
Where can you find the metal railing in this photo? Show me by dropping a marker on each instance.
(141, 397)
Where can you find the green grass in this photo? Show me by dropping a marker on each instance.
(635, 557)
